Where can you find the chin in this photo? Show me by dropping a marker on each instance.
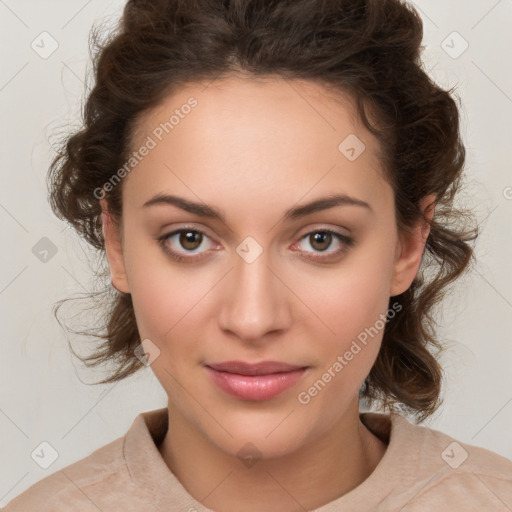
(251, 448)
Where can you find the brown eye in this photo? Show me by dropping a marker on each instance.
(190, 240)
(332, 244)
(320, 240)
(186, 244)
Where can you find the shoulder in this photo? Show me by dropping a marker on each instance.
(82, 486)
(449, 472)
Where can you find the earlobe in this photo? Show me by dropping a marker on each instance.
(114, 250)
(410, 247)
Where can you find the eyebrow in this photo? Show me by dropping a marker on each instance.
(203, 210)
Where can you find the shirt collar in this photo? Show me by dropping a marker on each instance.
(149, 471)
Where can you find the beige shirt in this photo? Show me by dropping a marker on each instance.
(422, 470)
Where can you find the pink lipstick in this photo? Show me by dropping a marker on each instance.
(261, 381)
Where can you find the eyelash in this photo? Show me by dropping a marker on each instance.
(347, 242)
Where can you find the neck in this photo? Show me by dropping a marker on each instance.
(308, 478)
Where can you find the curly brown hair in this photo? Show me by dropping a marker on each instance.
(369, 49)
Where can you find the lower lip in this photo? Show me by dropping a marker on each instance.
(255, 387)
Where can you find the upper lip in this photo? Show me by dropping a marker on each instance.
(263, 368)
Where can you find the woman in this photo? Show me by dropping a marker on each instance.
(272, 183)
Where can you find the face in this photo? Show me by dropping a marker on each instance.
(264, 278)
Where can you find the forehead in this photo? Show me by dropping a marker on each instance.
(267, 140)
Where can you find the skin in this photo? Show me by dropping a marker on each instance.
(252, 149)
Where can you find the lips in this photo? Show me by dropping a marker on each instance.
(264, 368)
(260, 381)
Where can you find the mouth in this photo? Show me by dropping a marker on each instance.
(254, 382)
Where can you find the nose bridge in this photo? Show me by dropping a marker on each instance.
(257, 301)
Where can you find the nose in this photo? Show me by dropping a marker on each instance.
(255, 301)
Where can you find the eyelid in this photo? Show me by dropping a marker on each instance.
(346, 241)
(297, 236)
(169, 234)
(178, 255)
(323, 227)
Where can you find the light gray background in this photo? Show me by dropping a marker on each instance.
(43, 392)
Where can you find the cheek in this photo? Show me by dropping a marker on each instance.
(162, 294)
(354, 308)
(352, 298)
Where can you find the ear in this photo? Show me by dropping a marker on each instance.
(409, 250)
(114, 249)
